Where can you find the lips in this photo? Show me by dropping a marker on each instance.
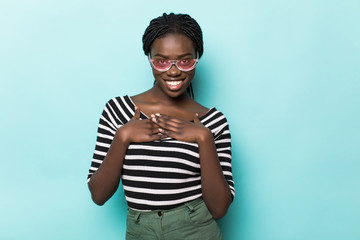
(174, 85)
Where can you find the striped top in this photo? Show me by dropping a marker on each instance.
(162, 174)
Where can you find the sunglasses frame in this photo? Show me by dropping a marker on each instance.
(173, 62)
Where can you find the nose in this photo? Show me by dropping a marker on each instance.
(173, 71)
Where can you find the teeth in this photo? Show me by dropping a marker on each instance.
(173, 83)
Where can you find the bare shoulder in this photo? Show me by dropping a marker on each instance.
(141, 98)
(198, 108)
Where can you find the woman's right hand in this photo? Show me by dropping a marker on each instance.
(137, 130)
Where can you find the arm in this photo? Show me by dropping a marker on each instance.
(215, 188)
(105, 181)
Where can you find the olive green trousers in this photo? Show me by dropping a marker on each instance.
(191, 221)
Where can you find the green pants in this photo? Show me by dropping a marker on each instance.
(191, 221)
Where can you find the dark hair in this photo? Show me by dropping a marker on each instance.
(174, 23)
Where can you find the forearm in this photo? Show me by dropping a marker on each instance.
(215, 189)
(105, 181)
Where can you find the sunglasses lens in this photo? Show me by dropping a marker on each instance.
(186, 64)
(160, 64)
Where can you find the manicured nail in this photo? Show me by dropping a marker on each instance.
(157, 114)
(152, 116)
(160, 130)
(154, 119)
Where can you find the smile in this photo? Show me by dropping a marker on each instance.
(174, 85)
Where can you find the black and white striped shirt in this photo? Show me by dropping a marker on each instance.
(162, 174)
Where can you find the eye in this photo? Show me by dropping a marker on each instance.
(161, 61)
(185, 62)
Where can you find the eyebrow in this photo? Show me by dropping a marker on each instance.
(180, 56)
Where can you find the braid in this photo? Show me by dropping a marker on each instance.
(174, 23)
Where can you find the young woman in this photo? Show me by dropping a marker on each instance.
(172, 154)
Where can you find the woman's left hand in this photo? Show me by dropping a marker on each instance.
(181, 130)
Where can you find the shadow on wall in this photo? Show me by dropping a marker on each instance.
(203, 85)
(233, 222)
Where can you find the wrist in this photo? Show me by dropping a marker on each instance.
(205, 136)
(122, 137)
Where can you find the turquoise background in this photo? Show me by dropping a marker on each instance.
(285, 73)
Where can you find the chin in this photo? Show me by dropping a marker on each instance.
(175, 94)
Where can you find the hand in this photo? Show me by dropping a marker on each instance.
(137, 130)
(181, 130)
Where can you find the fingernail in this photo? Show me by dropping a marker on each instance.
(154, 119)
(157, 114)
(160, 130)
(152, 115)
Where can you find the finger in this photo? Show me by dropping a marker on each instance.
(154, 125)
(156, 136)
(155, 130)
(159, 136)
(162, 116)
(196, 118)
(137, 113)
(167, 133)
(167, 124)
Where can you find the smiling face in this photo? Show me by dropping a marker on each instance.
(173, 82)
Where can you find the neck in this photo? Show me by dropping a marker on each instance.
(157, 95)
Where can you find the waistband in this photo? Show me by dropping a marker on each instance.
(189, 205)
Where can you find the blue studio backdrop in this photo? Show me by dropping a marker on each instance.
(285, 73)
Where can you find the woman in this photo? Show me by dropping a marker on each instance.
(172, 154)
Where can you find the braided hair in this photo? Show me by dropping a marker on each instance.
(174, 23)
